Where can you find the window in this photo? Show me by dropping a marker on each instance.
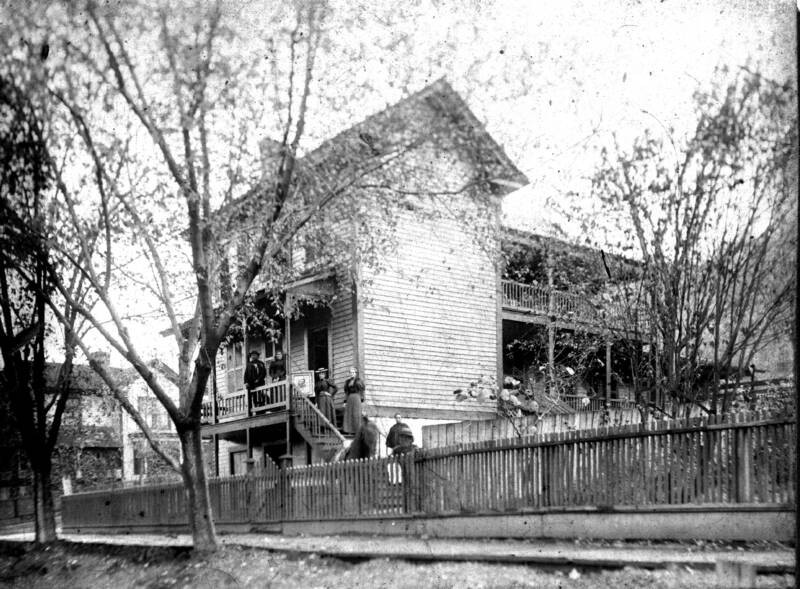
(139, 465)
(235, 367)
(153, 413)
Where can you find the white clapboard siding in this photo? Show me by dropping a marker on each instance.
(297, 348)
(430, 322)
(342, 335)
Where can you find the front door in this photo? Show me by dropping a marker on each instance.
(318, 349)
(239, 462)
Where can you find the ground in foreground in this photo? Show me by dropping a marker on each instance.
(97, 566)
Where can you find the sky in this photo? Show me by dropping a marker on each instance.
(548, 79)
(639, 63)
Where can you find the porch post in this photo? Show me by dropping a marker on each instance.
(608, 371)
(551, 355)
(287, 344)
(246, 355)
(249, 444)
(216, 454)
(214, 397)
(499, 312)
(551, 329)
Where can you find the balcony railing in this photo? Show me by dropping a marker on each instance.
(564, 306)
(268, 398)
(583, 403)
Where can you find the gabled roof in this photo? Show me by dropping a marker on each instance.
(82, 379)
(434, 112)
(412, 116)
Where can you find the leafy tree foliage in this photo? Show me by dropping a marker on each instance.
(28, 224)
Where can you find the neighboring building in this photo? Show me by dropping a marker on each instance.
(89, 449)
(98, 446)
(139, 461)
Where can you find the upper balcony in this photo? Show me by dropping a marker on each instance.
(540, 304)
(270, 398)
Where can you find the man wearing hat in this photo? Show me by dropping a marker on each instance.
(255, 375)
(392, 438)
(324, 391)
(405, 441)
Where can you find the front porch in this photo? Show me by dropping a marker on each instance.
(568, 350)
(277, 423)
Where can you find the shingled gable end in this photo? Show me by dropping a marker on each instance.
(425, 319)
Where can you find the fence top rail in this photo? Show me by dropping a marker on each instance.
(156, 487)
(299, 471)
(638, 430)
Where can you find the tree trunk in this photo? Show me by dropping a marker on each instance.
(198, 500)
(43, 507)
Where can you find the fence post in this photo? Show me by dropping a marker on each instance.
(744, 465)
(420, 484)
(249, 489)
(407, 464)
(284, 487)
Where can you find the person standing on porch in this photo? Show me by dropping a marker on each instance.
(277, 368)
(255, 374)
(354, 396)
(324, 391)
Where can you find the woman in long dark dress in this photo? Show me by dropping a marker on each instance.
(354, 396)
(324, 391)
(365, 444)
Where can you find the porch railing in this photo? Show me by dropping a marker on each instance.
(311, 418)
(583, 403)
(270, 397)
(542, 300)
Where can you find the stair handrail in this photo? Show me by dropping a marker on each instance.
(320, 416)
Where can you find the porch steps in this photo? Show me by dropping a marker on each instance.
(315, 428)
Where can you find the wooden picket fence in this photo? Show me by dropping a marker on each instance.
(741, 459)
(375, 487)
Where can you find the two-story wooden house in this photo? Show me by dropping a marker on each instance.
(420, 317)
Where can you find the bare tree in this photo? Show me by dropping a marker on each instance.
(169, 114)
(712, 218)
